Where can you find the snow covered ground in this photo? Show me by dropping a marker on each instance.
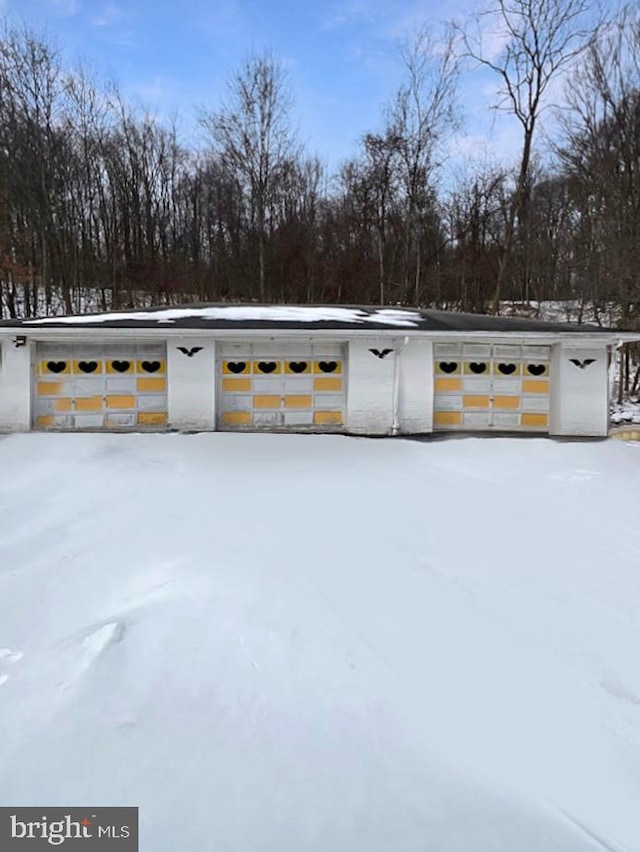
(625, 413)
(280, 642)
(565, 310)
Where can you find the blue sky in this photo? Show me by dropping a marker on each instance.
(341, 58)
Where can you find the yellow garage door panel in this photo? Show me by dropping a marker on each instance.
(533, 369)
(298, 401)
(476, 368)
(54, 367)
(448, 367)
(89, 403)
(45, 422)
(49, 388)
(506, 369)
(236, 385)
(121, 401)
(447, 418)
(297, 368)
(267, 401)
(88, 367)
(327, 418)
(327, 384)
(475, 401)
(328, 366)
(236, 418)
(152, 418)
(529, 386)
(120, 367)
(235, 368)
(266, 367)
(506, 402)
(541, 420)
(62, 404)
(152, 366)
(443, 385)
(151, 385)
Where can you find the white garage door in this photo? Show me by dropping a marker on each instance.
(281, 386)
(100, 387)
(496, 387)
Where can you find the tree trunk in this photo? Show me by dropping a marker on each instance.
(515, 208)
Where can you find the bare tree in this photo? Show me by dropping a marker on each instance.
(29, 100)
(253, 133)
(538, 40)
(600, 152)
(379, 172)
(419, 119)
(475, 211)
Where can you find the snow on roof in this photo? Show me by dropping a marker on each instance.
(276, 313)
(346, 318)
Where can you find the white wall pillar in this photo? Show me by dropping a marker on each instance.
(191, 390)
(370, 389)
(580, 390)
(416, 386)
(15, 387)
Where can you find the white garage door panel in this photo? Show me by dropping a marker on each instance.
(535, 403)
(235, 403)
(296, 385)
(266, 418)
(119, 386)
(507, 351)
(506, 421)
(151, 403)
(474, 385)
(474, 350)
(508, 386)
(120, 421)
(448, 403)
(281, 386)
(82, 421)
(295, 418)
(540, 353)
(260, 385)
(476, 419)
(330, 400)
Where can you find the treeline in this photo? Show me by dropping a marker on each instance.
(102, 206)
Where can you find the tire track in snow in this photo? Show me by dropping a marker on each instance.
(607, 844)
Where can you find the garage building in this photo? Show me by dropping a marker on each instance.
(368, 371)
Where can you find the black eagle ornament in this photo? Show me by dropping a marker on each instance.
(582, 364)
(189, 352)
(381, 353)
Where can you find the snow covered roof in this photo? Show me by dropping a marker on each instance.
(225, 316)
